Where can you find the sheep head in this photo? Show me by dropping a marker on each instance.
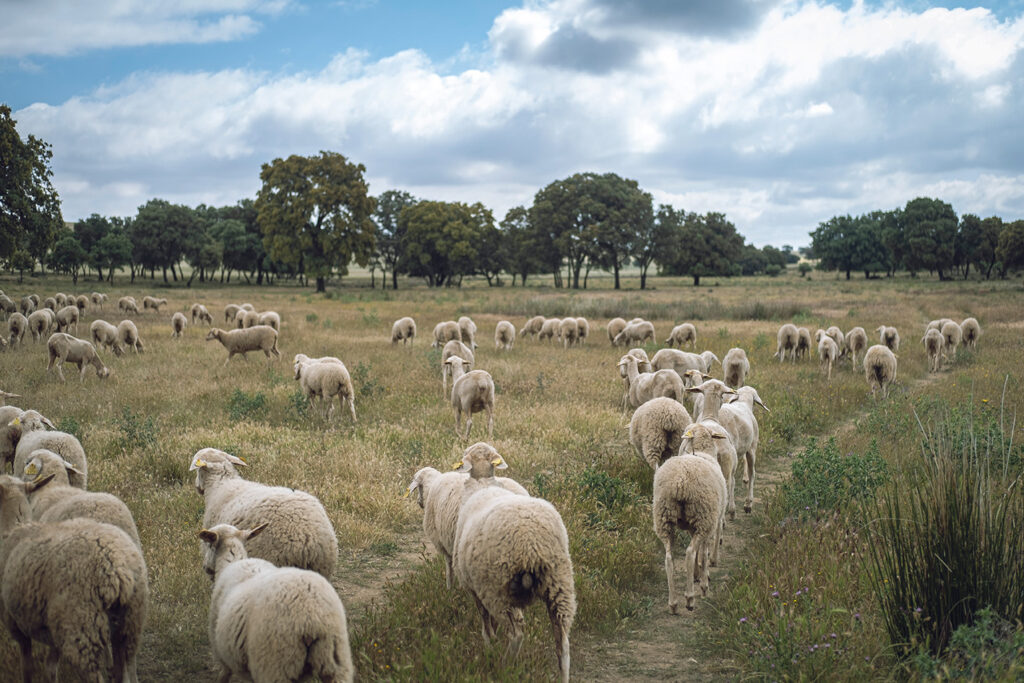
(224, 544)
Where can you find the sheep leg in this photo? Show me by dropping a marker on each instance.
(730, 482)
(469, 422)
(515, 638)
(447, 569)
(351, 407)
(60, 369)
(25, 646)
(690, 564)
(458, 422)
(561, 633)
(82, 367)
(53, 663)
(489, 625)
(490, 423)
(751, 458)
(668, 539)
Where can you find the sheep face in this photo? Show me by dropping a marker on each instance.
(210, 463)
(214, 333)
(224, 544)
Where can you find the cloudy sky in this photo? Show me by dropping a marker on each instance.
(779, 113)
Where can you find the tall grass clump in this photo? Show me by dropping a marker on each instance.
(948, 540)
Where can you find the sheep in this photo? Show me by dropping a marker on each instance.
(838, 337)
(735, 367)
(65, 348)
(880, 369)
(472, 392)
(440, 495)
(645, 386)
(740, 422)
(803, 343)
(82, 302)
(300, 533)
(33, 437)
(970, 331)
(504, 335)
(643, 364)
(251, 635)
(66, 317)
(889, 336)
(569, 331)
(325, 380)
(60, 500)
(271, 318)
(404, 330)
(615, 325)
(532, 327)
(50, 303)
(828, 352)
(635, 333)
(61, 300)
(951, 334)
(258, 338)
(78, 585)
(683, 334)
(149, 302)
(582, 330)
(245, 319)
(201, 313)
(467, 331)
(856, 341)
(128, 336)
(933, 342)
(230, 311)
(681, 361)
(7, 305)
(178, 323)
(690, 495)
(509, 550)
(104, 335)
(98, 299)
(40, 322)
(453, 348)
(26, 305)
(788, 337)
(937, 324)
(551, 329)
(726, 451)
(13, 423)
(247, 307)
(127, 304)
(444, 332)
(656, 430)
(17, 324)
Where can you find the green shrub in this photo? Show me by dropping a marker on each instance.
(367, 386)
(71, 426)
(824, 480)
(242, 405)
(990, 649)
(135, 433)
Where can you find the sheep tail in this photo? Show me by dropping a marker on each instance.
(522, 588)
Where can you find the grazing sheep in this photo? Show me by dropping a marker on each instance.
(472, 392)
(582, 330)
(453, 348)
(270, 318)
(15, 422)
(202, 314)
(656, 430)
(247, 307)
(532, 327)
(615, 326)
(510, 550)
(551, 328)
(258, 338)
(937, 324)
(149, 302)
(735, 367)
(64, 348)
(690, 495)
(127, 304)
(50, 303)
(504, 335)
(444, 332)
(299, 534)
(230, 312)
(682, 335)
(569, 331)
(788, 338)
(880, 369)
(104, 335)
(128, 336)
(82, 302)
(17, 324)
(404, 330)
(635, 333)
(681, 361)
(66, 317)
(803, 343)
(325, 380)
(828, 352)
(643, 364)
(890, 337)
(245, 319)
(27, 305)
(467, 331)
(40, 322)
(739, 420)
(933, 342)
(98, 299)
(7, 305)
(271, 623)
(970, 331)
(856, 341)
(645, 386)
(952, 335)
(178, 323)
(838, 337)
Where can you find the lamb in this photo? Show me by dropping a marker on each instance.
(551, 329)
(82, 302)
(890, 337)
(643, 364)
(970, 331)
(65, 348)
(149, 302)
(582, 330)
(880, 369)
(645, 386)
(33, 437)
(271, 318)
(509, 550)
(803, 343)
(635, 333)
(325, 380)
(60, 500)
(104, 335)
(933, 343)
(828, 352)
(472, 392)
(467, 331)
(504, 335)
(245, 319)
(682, 335)
(788, 338)
(532, 326)
(856, 341)
(40, 322)
(128, 336)
(569, 331)
(656, 430)
(739, 420)
(79, 586)
(200, 313)
(615, 326)
(440, 495)
(98, 298)
(17, 324)
(66, 317)
(127, 304)
(258, 338)
(735, 367)
(404, 330)
(178, 324)
(444, 332)
(251, 635)
(952, 334)
(453, 348)
(690, 495)
(299, 534)
(230, 311)
(681, 361)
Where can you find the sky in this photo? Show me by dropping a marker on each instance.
(778, 113)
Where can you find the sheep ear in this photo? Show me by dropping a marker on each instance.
(256, 530)
(688, 434)
(695, 390)
(15, 422)
(719, 436)
(761, 403)
(235, 460)
(47, 422)
(412, 487)
(499, 463)
(461, 466)
(38, 483)
(208, 536)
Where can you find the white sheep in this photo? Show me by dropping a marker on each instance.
(472, 392)
(79, 585)
(656, 430)
(937, 324)
(970, 331)
(27, 305)
(803, 343)
(60, 301)
(681, 361)
(551, 329)
(127, 304)
(683, 334)
(690, 495)
(300, 533)
(324, 381)
(635, 333)
(98, 299)
(880, 369)
(50, 303)
(451, 348)
(17, 324)
(643, 364)
(271, 623)
(856, 341)
(504, 335)
(247, 307)
(828, 352)
(66, 317)
(582, 330)
(40, 323)
(952, 334)
(82, 302)
(245, 319)
(178, 324)
(202, 314)
(739, 420)
(128, 336)
(838, 337)
(645, 386)
(711, 394)
(889, 336)
(788, 337)
(34, 437)
(933, 342)
(14, 422)
(404, 330)
(63, 348)
(615, 325)
(467, 331)
(532, 327)
(444, 332)
(269, 318)
(569, 332)
(104, 335)
(258, 338)
(230, 311)
(7, 305)
(149, 302)
(735, 367)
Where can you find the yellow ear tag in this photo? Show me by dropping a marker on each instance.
(688, 434)
(31, 470)
(200, 463)
(16, 421)
(457, 465)
(241, 458)
(406, 494)
(496, 462)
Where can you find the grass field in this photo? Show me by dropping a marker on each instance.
(557, 423)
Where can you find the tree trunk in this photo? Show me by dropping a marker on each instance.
(617, 276)
(190, 278)
(696, 280)
(643, 278)
(99, 270)
(847, 273)
(321, 284)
